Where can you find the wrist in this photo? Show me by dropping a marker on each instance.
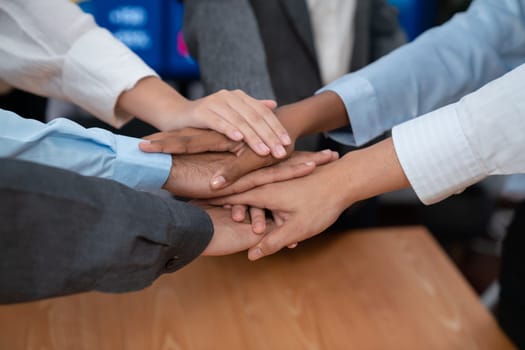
(153, 101)
(340, 180)
(372, 171)
(290, 117)
(323, 112)
(169, 185)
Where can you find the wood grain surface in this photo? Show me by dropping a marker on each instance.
(367, 289)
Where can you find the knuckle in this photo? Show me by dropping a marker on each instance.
(270, 160)
(256, 117)
(268, 114)
(269, 246)
(226, 144)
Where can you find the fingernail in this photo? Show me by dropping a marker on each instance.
(310, 163)
(326, 151)
(286, 139)
(218, 181)
(263, 148)
(259, 228)
(257, 254)
(237, 136)
(280, 151)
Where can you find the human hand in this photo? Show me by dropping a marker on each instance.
(306, 206)
(228, 236)
(232, 113)
(301, 208)
(190, 174)
(240, 117)
(191, 140)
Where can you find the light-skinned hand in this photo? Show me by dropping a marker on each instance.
(228, 236)
(232, 113)
(306, 206)
(301, 207)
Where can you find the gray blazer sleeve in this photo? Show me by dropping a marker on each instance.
(223, 36)
(386, 33)
(64, 233)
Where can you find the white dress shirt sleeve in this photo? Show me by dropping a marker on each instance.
(52, 48)
(330, 18)
(458, 145)
(438, 68)
(93, 152)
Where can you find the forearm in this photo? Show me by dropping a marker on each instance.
(154, 102)
(433, 70)
(318, 113)
(83, 233)
(366, 173)
(447, 150)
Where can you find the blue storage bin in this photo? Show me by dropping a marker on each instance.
(416, 16)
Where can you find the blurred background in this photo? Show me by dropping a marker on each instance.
(470, 226)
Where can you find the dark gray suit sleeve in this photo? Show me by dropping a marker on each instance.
(385, 31)
(223, 36)
(64, 233)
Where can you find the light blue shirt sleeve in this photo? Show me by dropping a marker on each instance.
(94, 152)
(438, 68)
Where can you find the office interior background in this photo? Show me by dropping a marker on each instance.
(469, 226)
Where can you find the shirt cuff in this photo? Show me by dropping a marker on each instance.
(362, 108)
(436, 155)
(97, 69)
(139, 170)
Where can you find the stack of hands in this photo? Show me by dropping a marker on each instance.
(256, 189)
(234, 156)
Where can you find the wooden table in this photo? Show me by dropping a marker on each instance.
(368, 289)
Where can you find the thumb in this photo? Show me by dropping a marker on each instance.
(269, 175)
(229, 173)
(274, 241)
